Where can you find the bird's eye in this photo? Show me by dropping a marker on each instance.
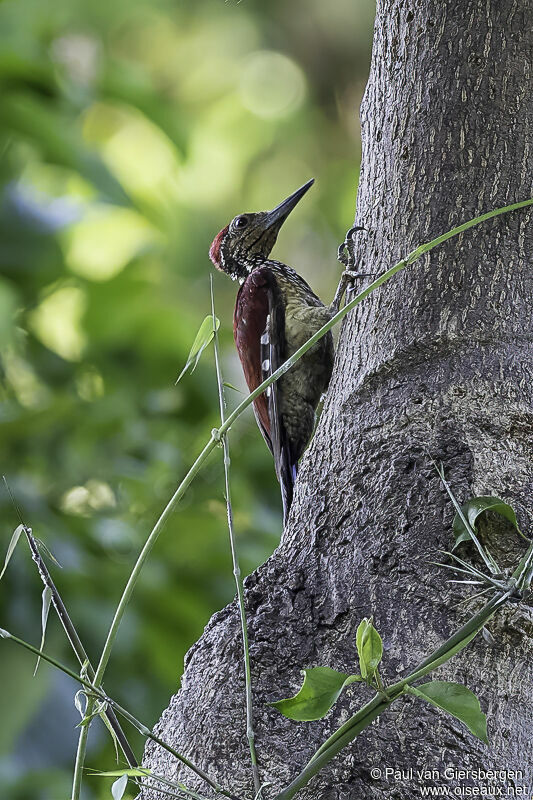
(241, 222)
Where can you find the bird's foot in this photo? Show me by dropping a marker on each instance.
(346, 285)
(346, 257)
(350, 275)
(345, 252)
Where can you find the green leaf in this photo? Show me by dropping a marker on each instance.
(119, 787)
(105, 720)
(130, 773)
(204, 336)
(474, 508)
(458, 701)
(320, 690)
(369, 648)
(12, 544)
(231, 386)
(100, 707)
(47, 551)
(47, 599)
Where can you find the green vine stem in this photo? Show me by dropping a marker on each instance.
(81, 750)
(235, 559)
(217, 434)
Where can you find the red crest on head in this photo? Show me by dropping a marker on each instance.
(214, 250)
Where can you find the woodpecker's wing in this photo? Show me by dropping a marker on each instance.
(259, 331)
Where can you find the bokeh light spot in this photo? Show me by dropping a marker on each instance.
(90, 384)
(137, 151)
(84, 500)
(271, 85)
(103, 243)
(57, 322)
(20, 377)
(211, 171)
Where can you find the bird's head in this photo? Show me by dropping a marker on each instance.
(247, 241)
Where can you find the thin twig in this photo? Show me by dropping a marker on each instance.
(235, 558)
(522, 573)
(471, 597)
(488, 579)
(452, 567)
(74, 639)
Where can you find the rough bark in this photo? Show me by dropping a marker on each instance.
(436, 364)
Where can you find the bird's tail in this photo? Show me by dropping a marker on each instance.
(287, 478)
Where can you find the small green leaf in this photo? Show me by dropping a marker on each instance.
(369, 648)
(320, 690)
(119, 787)
(206, 331)
(458, 701)
(130, 773)
(47, 599)
(100, 707)
(12, 544)
(48, 552)
(474, 508)
(231, 386)
(112, 733)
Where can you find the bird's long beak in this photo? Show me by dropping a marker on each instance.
(279, 214)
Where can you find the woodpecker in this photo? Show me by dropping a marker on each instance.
(275, 313)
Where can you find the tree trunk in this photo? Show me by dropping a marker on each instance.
(434, 365)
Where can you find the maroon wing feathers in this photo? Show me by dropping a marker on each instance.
(249, 325)
(259, 331)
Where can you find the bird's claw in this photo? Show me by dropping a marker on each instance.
(344, 254)
(350, 275)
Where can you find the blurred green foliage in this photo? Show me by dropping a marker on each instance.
(130, 133)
